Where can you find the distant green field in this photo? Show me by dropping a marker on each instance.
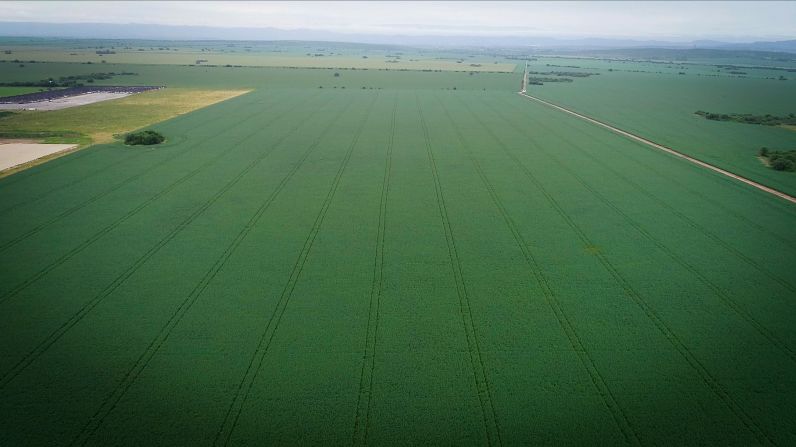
(463, 268)
(662, 107)
(293, 57)
(12, 91)
(262, 77)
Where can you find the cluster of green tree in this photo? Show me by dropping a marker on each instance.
(757, 67)
(66, 81)
(541, 81)
(562, 66)
(20, 62)
(780, 160)
(572, 74)
(767, 120)
(145, 137)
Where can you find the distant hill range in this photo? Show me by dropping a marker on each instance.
(782, 46)
(165, 32)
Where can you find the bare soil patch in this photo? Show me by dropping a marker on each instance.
(13, 155)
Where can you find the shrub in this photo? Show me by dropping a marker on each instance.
(780, 160)
(783, 164)
(146, 137)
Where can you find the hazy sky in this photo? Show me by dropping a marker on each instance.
(684, 20)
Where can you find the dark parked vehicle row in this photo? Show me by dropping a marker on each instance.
(73, 91)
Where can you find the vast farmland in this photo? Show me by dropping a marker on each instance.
(451, 251)
(395, 262)
(251, 54)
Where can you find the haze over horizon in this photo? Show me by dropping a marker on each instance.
(672, 21)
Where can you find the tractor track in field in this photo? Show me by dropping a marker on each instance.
(721, 206)
(109, 404)
(133, 153)
(600, 384)
(243, 390)
(669, 150)
(110, 227)
(483, 388)
(693, 224)
(718, 291)
(747, 421)
(8, 244)
(54, 336)
(18, 177)
(751, 262)
(129, 156)
(696, 226)
(362, 418)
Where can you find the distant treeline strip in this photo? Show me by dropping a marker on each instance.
(66, 81)
(766, 120)
(572, 74)
(540, 81)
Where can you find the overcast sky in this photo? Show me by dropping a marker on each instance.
(649, 20)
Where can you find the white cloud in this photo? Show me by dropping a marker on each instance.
(593, 19)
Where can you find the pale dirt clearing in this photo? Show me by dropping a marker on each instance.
(15, 154)
(64, 103)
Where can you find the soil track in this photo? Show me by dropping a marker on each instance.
(655, 145)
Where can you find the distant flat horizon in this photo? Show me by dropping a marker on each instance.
(147, 31)
(732, 21)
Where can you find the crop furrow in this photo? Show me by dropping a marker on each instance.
(227, 427)
(83, 245)
(369, 356)
(662, 327)
(718, 291)
(130, 377)
(115, 284)
(116, 187)
(476, 360)
(617, 413)
(693, 224)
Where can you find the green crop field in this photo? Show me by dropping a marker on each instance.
(403, 264)
(657, 103)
